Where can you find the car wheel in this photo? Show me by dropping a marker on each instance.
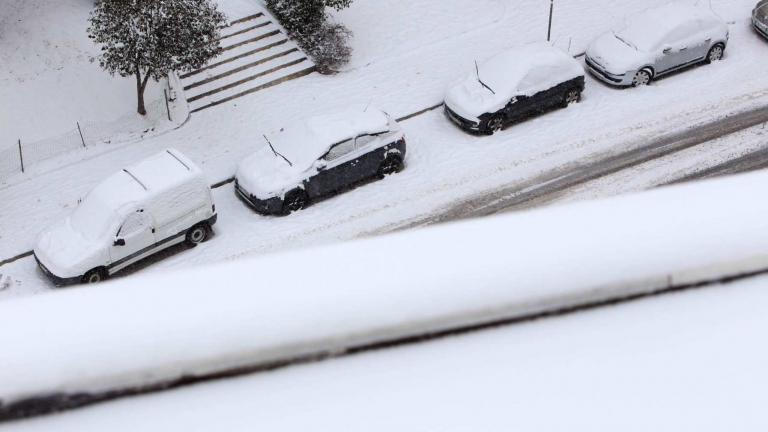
(494, 124)
(715, 53)
(390, 165)
(197, 234)
(94, 276)
(641, 78)
(295, 200)
(571, 97)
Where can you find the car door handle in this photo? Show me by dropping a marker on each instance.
(708, 40)
(683, 48)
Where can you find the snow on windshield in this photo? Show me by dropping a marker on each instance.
(93, 218)
(647, 31)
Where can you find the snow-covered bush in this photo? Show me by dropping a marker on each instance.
(308, 23)
(152, 38)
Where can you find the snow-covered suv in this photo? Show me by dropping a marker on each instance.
(137, 212)
(658, 42)
(760, 18)
(514, 85)
(318, 157)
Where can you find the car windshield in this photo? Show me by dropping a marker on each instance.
(93, 219)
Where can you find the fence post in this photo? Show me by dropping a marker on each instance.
(551, 11)
(168, 110)
(21, 156)
(81, 134)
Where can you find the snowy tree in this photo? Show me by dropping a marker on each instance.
(307, 22)
(150, 38)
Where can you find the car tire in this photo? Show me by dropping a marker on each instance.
(642, 77)
(715, 53)
(295, 200)
(494, 124)
(390, 165)
(571, 96)
(197, 234)
(94, 276)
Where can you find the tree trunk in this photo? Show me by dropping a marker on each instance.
(140, 94)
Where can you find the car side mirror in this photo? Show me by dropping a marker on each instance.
(321, 165)
(667, 49)
(119, 242)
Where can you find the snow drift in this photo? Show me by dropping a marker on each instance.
(157, 328)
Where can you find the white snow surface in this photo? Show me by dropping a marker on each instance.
(521, 71)
(158, 327)
(681, 362)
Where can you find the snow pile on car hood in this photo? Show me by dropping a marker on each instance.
(294, 151)
(517, 72)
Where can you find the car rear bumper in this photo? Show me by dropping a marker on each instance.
(269, 206)
(57, 280)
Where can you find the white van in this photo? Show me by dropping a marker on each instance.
(141, 210)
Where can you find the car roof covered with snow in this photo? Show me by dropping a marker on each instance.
(523, 70)
(645, 30)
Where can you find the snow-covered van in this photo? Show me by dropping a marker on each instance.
(143, 209)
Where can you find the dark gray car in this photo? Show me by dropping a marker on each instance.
(760, 18)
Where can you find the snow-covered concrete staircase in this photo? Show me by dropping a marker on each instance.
(256, 55)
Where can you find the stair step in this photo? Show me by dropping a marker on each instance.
(244, 76)
(243, 28)
(250, 37)
(248, 18)
(287, 73)
(246, 63)
(237, 54)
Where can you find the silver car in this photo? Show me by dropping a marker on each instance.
(760, 18)
(658, 42)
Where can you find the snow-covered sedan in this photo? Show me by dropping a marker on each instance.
(760, 18)
(514, 85)
(136, 212)
(319, 157)
(658, 42)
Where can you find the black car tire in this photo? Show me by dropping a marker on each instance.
(295, 200)
(494, 124)
(197, 234)
(642, 77)
(715, 53)
(94, 276)
(390, 165)
(571, 96)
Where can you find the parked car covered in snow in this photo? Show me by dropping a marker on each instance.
(143, 209)
(658, 42)
(319, 157)
(514, 85)
(760, 18)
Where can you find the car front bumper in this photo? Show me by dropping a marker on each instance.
(759, 27)
(460, 121)
(601, 74)
(269, 206)
(57, 280)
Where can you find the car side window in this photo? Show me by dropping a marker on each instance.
(134, 223)
(340, 150)
(682, 33)
(364, 140)
(536, 80)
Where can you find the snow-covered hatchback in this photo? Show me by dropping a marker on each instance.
(319, 157)
(658, 42)
(514, 85)
(760, 18)
(143, 209)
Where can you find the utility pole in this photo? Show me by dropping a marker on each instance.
(551, 11)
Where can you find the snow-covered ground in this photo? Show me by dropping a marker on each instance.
(689, 361)
(444, 165)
